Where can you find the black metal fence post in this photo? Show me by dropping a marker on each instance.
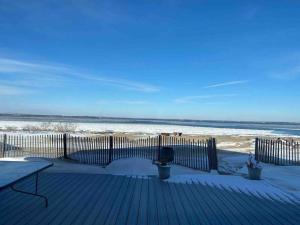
(209, 155)
(215, 155)
(4, 145)
(65, 146)
(212, 154)
(159, 146)
(256, 149)
(111, 147)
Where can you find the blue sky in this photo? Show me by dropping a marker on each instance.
(228, 60)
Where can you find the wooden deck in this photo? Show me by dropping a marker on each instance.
(108, 199)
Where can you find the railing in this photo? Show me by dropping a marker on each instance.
(279, 152)
(102, 150)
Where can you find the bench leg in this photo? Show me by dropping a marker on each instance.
(30, 193)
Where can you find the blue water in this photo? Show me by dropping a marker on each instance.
(275, 127)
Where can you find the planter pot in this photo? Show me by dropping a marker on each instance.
(254, 173)
(163, 171)
(166, 155)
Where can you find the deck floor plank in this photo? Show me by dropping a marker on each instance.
(114, 212)
(65, 201)
(34, 204)
(187, 206)
(18, 214)
(178, 205)
(196, 207)
(111, 201)
(227, 212)
(170, 206)
(82, 198)
(277, 211)
(152, 204)
(143, 215)
(122, 216)
(132, 216)
(230, 208)
(101, 200)
(83, 215)
(244, 202)
(162, 215)
(215, 217)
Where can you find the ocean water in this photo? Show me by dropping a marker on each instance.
(159, 125)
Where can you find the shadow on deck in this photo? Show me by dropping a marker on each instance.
(108, 199)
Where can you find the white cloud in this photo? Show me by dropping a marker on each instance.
(227, 83)
(125, 102)
(190, 99)
(7, 90)
(64, 73)
(124, 84)
(288, 74)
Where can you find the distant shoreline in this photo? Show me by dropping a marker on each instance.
(66, 117)
(21, 122)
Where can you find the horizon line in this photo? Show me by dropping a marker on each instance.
(144, 118)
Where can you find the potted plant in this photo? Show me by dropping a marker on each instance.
(166, 156)
(254, 168)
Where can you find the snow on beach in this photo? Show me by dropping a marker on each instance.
(23, 126)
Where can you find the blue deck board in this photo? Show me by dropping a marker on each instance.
(144, 204)
(170, 206)
(63, 199)
(108, 205)
(241, 201)
(281, 214)
(112, 216)
(192, 209)
(135, 204)
(126, 204)
(101, 200)
(160, 204)
(179, 206)
(94, 197)
(211, 208)
(152, 204)
(263, 205)
(84, 198)
(229, 213)
(107, 199)
(196, 210)
(32, 204)
(232, 208)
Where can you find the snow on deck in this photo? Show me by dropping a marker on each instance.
(259, 188)
(280, 183)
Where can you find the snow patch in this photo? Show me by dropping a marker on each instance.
(144, 167)
(259, 188)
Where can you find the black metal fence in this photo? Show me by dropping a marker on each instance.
(278, 151)
(102, 150)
